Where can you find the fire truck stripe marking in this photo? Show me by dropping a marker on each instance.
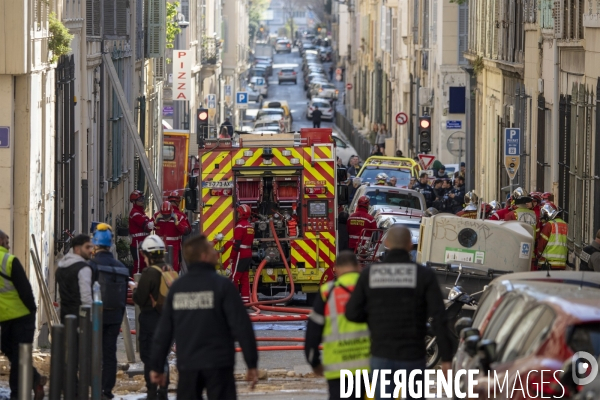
(207, 162)
(213, 212)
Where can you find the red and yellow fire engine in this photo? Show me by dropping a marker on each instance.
(175, 161)
(290, 179)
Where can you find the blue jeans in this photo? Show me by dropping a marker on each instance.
(394, 365)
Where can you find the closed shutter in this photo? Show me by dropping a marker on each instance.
(139, 29)
(92, 17)
(383, 27)
(559, 18)
(495, 29)
(395, 39)
(157, 10)
(434, 22)
(425, 31)
(388, 30)
(159, 68)
(416, 21)
(463, 32)
(115, 19)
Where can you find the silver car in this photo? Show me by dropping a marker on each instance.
(389, 196)
(324, 106)
(283, 45)
(324, 90)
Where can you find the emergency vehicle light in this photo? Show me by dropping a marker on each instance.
(221, 192)
(315, 190)
(240, 161)
(248, 153)
(294, 161)
(267, 162)
(286, 153)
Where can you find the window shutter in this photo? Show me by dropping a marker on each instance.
(157, 10)
(115, 18)
(434, 22)
(463, 32)
(416, 21)
(383, 28)
(92, 17)
(159, 68)
(139, 29)
(121, 18)
(395, 38)
(426, 27)
(559, 17)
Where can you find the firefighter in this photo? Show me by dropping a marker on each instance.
(495, 207)
(241, 252)
(552, 244)
(486, 210)
(470, 211)
(140, 226)
(358, 221)
(327, 324)
(175, 200)
(537, 208)
(547, 197)
(501, 214)
(168, 225)
(381, 179)
(430, 212)
(523, 211)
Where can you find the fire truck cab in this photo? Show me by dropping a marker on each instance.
(289, 179)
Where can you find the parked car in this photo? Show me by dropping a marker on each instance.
(268, 67)
(324, 106)
(269, 123)
(279, 112)
(253, 94)
(260, 84)
(389, 196)
(326, 52)
(324, 90)
(283, 45)
(280, 104)
(287, 75)
(310, 77)
(343, 149)
(257, 71)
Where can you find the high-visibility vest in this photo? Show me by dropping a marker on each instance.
(527, 216)
(346, 345)
(11, 305)
(556, 249)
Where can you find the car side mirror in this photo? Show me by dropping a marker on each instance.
(468, 332)
(342, 195)
(462, 323)
(191, 198)
(487, 353)
(471, 344)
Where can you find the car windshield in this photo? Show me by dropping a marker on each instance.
(287, 70)
(392, 198)
(402, 175)
(327, 86)
(321, 105)
(264, 112)
(267, 124)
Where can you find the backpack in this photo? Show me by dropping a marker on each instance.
(168, 276)
(113, 282)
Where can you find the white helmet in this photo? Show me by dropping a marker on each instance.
(153, 244)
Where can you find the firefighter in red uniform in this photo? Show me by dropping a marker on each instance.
(175, 200)
(500, 215)
(470, 211)
(537, 207)
(522, 211)
(140, 226)
(241, 252)
(358, 221)
(168, 225)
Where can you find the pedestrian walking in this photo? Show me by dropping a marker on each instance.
(346, 344)
(147, 295)
(17, 317)
(140, 226)
(331, 70)
(396, 298)
(241, 252)
(316, 117)
(74, 277)
(113, 277)
(227, 124)
(204, 315)
(590, 256)
(184, 223)
(170, 226)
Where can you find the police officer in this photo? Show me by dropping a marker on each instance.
(425, 189)
(140, 226)
(552, 242)
(170, 226)
(359, 221)
(327, 324)
(457, 195)
(17, 317)
(241, 252)
(523, 210)
(204, 315)
(396, 298)
(145, 296)
(590, 256)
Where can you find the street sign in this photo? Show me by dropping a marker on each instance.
(401, 118)
(349, 86)
(453, 124)
(228, 95)
(182, 75)
(211, 103)
(512, 151)
(241, 100)
(426, 160)
(4, 137)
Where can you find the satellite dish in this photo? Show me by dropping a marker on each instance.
(457, 143)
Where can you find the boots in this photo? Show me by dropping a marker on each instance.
(163, 393)
(152, 393)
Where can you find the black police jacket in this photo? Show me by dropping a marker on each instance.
(427, 192)
(204, 315)
(395, 298)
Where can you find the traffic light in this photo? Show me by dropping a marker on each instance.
(202, 124)
(424, 134)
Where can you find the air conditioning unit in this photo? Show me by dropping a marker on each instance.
(425, 96)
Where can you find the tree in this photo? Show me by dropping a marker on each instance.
(255, 12)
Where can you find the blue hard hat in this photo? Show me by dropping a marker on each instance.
(102, 238)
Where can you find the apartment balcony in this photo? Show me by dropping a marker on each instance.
(210, 49)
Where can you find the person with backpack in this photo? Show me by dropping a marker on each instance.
(113, 278)
(149, 295)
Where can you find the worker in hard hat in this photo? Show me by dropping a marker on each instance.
(470, 210)
(552, 243)
(523, 211)
(241, 252)
(358, 222)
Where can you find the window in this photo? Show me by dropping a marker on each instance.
(586, 338)
(457, 100)
(504, 318)
(168, 152)
(389, 198)
(115, 18)
(538, 333)
(92, 20)
(487, 301)
(339, 142)
(463, 32)
(515, 343)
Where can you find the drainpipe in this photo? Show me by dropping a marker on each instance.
(555, 121)
(101, 181)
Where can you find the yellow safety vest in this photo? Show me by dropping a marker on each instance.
(346, 345)
(11, 305)
(527, 216)
(556, 249)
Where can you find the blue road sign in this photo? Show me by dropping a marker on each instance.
(228, 90)
(212, 101)
(241, 100)
(453, 124)
(512, 142)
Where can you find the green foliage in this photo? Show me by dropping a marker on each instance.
(60, 38)
(173, 28)
(477, 65)
(257, 7)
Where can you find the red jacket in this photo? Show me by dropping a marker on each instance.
(243, 236)
(467, 214)
(138, 224)
(166, 228)
(500, 215)
(358, 221)
(184, 222)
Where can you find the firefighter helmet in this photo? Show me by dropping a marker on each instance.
(102, 236)
(495, 205)
(549, 211)
(174, 196)
(153, 244)
(382, 178)
(518, 193)
(548, 196)
(471, 197)
(486, 208)
(470, 207)
(364, 201)
(135, 196)
(536, 196)
(244, 211)
(430, 212)
(166, 208)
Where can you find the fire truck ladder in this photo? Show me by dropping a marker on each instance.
(131, 128)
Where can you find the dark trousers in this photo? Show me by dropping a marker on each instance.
(218, 382)
(110, 333)
(148, 323)
(335, 392)
(395, 365)
(15, 332)
(316, 124)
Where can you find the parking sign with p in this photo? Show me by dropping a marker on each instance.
(241, 100)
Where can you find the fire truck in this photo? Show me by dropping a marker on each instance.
(175, 160)
(289, 179)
